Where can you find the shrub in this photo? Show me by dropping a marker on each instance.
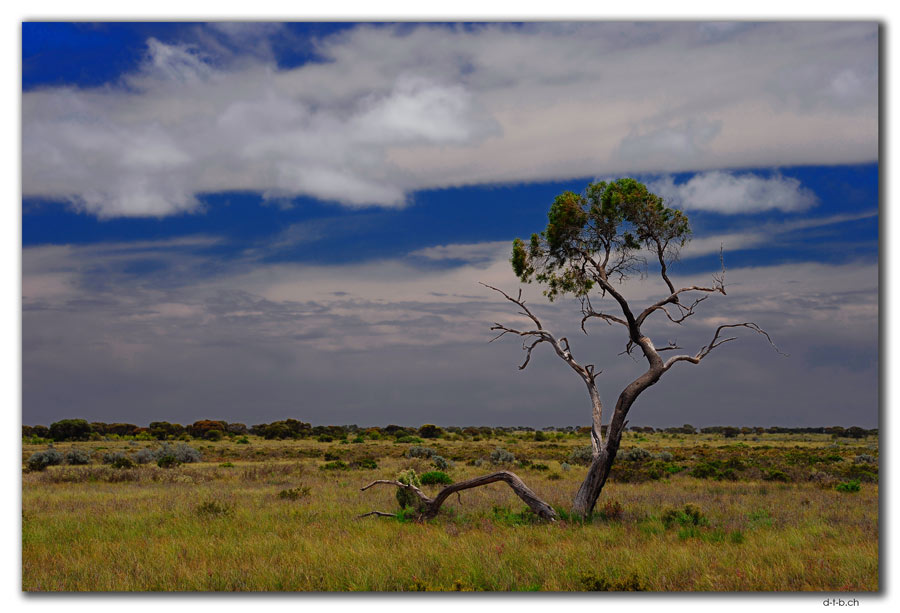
(111, 457)
(849, 487)
(636, 454)
(430, 431)
(358, 440)
(688, 516)
(502, 456)
(419, 452)
(441, 463)
(324, 438)
(554, 476)
(565, 466)
(183, 453)
(704, 470)
(122, 461)
(366, 463)
(665, 456)
(435, 477)
(336, 465)
(773, 474)
(167, 461)
(582, 455)
(330, 456)
(540, 467)
(42, 459)
(144, 456)
(78, 456)
(243, 441)
(226, 465)
(295, 493)
(214, 435)
(540, 436)
(406, 498)
(409, 439)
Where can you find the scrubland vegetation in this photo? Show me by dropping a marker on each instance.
(720, 511)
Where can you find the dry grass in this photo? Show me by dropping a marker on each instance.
(205, 527)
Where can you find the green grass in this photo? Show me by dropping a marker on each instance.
(207, 527)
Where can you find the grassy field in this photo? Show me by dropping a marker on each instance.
(771, 518)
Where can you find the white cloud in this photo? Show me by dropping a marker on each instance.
(392, 109)
(724, 192)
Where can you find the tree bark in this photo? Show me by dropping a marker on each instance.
(430, 507)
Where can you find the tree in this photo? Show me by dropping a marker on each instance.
(592, 244)
(70, 430)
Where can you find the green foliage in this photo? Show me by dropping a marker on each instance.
(409, 439)
(365, 463)
(336, 465)
(774, 474)
(70, 430)
(226, 465)
(761, 518)
(687, 516)
(167, 461)
(608, 222)
(849, 487)
(430, 431)
(358, 440)
(122, 461)
(504, 515)
(324, 438)
(243, 441)
(435, 477)
(406, 498)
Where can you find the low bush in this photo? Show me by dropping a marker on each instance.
(441, 463)
(774, 474)
(419, 452)
(243, 441)
(689, 515)
(365, 463)
(435, 477)
(406, 498)
(409, 439)
(865, 458)
(336, 465)
(636, 454)
(78, 457)
(581, 455)
(42, 459)
(849, 487)
(502, 456)
(168, 461)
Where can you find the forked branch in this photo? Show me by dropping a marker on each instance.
(430, 507)
(718, 341)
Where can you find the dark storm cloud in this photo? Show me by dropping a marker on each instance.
(253, 342)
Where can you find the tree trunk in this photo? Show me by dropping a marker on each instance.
(589, 492)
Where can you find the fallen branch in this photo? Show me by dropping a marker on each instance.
(431, 506)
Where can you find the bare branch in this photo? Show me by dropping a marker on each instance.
(718, 342)
(518, 301)
(378, 513)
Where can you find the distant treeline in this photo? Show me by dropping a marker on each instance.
(214, 430)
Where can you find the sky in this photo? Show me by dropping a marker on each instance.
(254, 221)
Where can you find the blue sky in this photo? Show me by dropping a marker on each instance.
(257, 221)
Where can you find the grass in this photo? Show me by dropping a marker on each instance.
(207, 527)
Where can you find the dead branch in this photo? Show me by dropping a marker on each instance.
(431, 506)
(718, 342)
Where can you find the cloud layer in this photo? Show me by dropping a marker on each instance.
(393, 109)
(393, 341)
